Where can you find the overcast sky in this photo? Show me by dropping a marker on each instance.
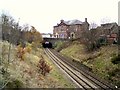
(44, 14)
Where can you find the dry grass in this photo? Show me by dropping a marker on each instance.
(27, 73)
(99, 61)
(61, 80)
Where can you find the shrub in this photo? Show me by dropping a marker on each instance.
(28, 49)
(115, 59)
(113, 76)
(14, 84)
(20, 52)
(58, 45)
(61, 45)
(44, 67)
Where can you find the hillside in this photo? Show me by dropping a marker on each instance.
(100, 61)
(15, 72)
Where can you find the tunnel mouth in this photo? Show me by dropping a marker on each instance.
(47, 44)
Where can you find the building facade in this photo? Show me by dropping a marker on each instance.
(70, 29)
(108, 30)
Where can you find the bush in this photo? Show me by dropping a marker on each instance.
(14, 84)
(115, 59)
(44, 67)
(28, 49)
(58, 44)
(113, 76)
(61, 45)
(91, 46)
(20, 52)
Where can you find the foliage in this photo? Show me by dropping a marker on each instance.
(58, 45)
(98, 60)
(33, 36)
(5, 77)
(14, 84)
(112, 76)
(91, 40)
(4, 51)
(15, 34)
(61, 45)
(28, 48)
(11, 31)
(20, 52)
(44, 67)
(115, 59)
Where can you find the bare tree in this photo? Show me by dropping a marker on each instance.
(93, 25)
(90, 39)
(105, 20)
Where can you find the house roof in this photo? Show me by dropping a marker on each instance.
(73, 22)
(108, 25)
(70, 22)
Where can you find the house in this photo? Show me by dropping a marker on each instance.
(112, 38)
(70, 29)
(108, 30)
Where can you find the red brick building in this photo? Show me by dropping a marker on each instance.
(70, 29)
(108, 30)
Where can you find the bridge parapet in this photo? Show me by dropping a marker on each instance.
(53, 40)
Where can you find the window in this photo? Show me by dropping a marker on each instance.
(62, 29)
(76, 29)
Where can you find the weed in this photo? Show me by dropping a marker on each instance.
(44, 67)
(20, 52)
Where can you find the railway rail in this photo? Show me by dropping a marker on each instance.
(81, 78)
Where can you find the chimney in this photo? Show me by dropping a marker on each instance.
(62, 21)
(85, 19)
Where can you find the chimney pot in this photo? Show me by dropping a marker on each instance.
(62, 21)
(85, 19)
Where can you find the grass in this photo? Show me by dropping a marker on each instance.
(74, 51)
(100, 61)
(26, 74)
(57, 75)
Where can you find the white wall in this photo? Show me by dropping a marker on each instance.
(46, 35)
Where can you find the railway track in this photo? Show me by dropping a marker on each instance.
(81, 78)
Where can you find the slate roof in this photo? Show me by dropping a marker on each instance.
(70, 22)
(108, 25)
(73, 22)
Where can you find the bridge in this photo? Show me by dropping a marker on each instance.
(54, 40)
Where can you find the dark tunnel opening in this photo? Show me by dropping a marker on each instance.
(47, 44)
